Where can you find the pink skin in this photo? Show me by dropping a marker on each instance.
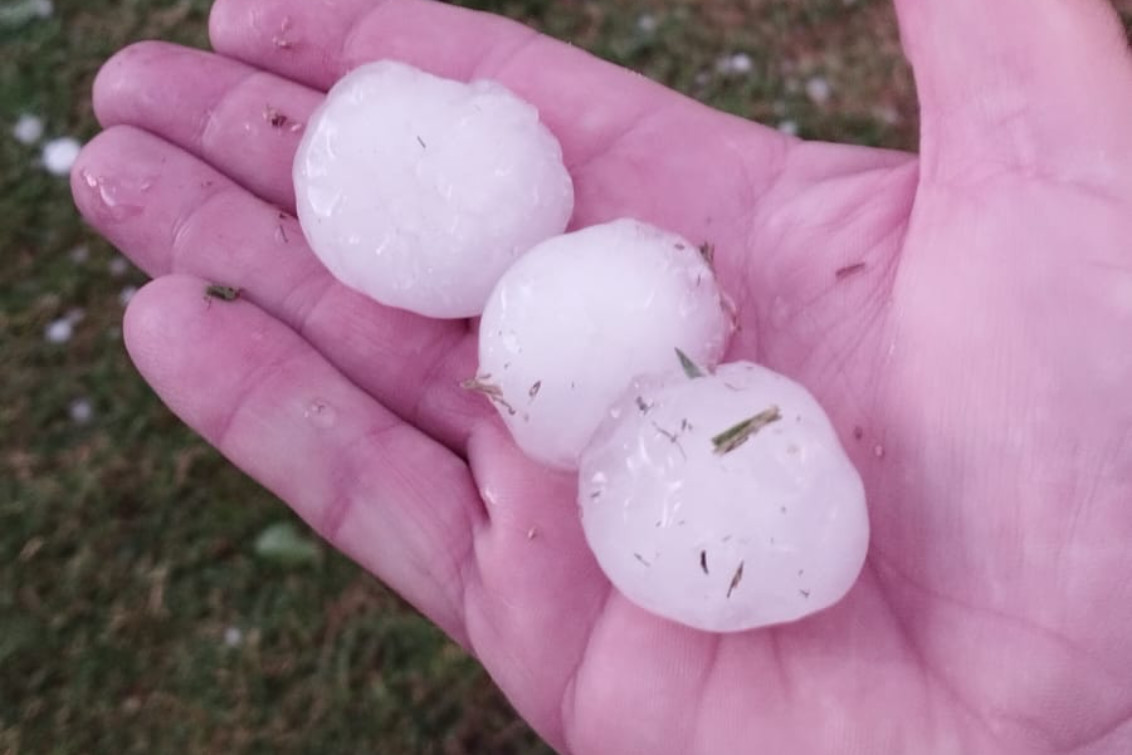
(979, 368)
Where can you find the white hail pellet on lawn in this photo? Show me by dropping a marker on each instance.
(28, 129)
(573, 321)
(723, 502)
(59, 155)
(420, 191)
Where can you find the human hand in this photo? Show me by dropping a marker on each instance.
(965, 316)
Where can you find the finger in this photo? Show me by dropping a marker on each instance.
(619, 131)
(399, 504)
(317, 44)
(246, 122)
(170, 212)
(1018, 84)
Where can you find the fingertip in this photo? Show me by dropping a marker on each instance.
(295, 39)
(234, 25)
(112, 176)
(78, 183)
(222, 19)
(106, 84)
(152, 318)
(116, 83)
(173, 329)
(182, 306)
(84, 184)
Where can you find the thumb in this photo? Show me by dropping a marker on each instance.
(1042, 87)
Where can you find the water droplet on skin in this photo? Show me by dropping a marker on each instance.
(320, 414)
(282, 40)
(118, 200)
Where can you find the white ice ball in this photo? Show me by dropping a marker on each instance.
(573, 321)
(59, 155)
(420, 191)
(59, 331)
(28, 129)
(724, 502)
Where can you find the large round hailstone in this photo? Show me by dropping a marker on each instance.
(574, 320)
(723, 502)
(420, 191)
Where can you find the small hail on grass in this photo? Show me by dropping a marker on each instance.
(118, 266)
(81, 411)
(61, 329)
(20, 12)
(28, 129)
(736, 64)
(59, 155)
(819, 90)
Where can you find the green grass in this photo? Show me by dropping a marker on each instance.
(128, 566)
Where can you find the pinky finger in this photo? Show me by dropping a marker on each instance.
(398, 503)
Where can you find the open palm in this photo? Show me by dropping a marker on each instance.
(965, 316)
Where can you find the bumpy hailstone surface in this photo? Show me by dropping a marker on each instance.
(420, 191)
(580, 316)
(718, 530)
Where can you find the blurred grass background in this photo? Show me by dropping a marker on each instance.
(141, 608)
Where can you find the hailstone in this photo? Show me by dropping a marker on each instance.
(580, 315)
(420, 191)
(724, 502)
(59, 155)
